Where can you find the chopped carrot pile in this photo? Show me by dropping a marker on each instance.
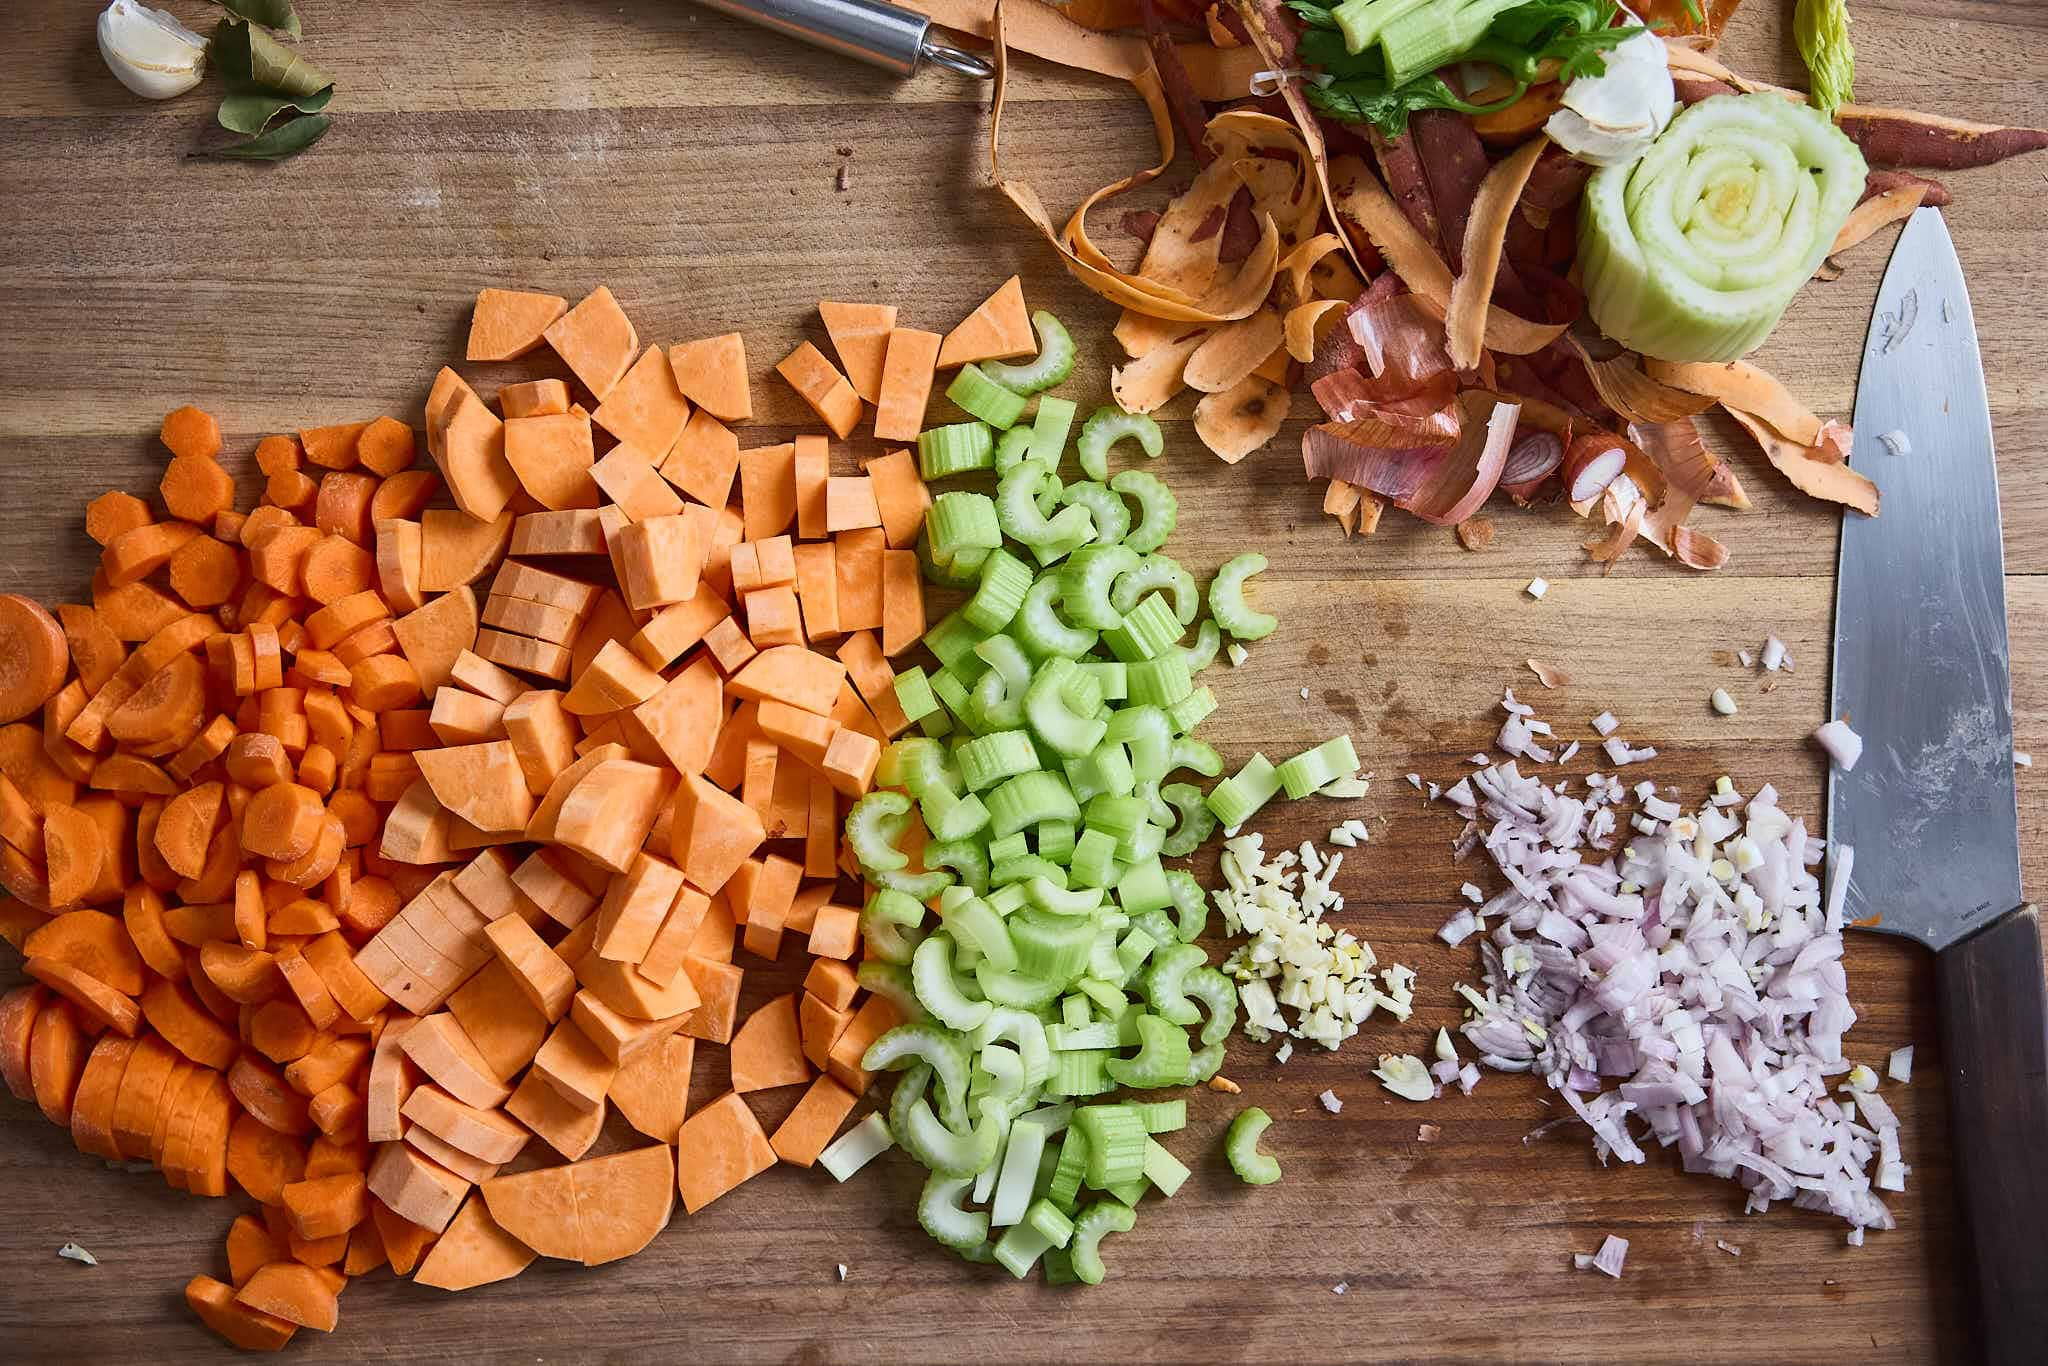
(354, 844)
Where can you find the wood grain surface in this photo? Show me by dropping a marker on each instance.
(691, 163)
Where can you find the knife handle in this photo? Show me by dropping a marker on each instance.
(1994, 1042)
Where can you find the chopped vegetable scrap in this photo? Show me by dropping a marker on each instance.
(1497, 291)
(1701, 965)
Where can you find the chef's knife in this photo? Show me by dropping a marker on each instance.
(1921, 672)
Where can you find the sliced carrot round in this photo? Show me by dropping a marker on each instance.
(33, 656)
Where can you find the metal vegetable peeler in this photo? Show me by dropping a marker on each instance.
(889, 36)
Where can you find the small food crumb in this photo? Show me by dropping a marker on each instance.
(73, 1252)
(842, 1270)
(1427, 1133)
(1330, 1102)
(1284, 1052)
(1304, 694)
(1730, 1248)
(1548, 676)
(1340, 1287)
(2022, 759)
(1722, 702)
(1225, 1085)
(1475, 533)
(1237, 654)
(1900, 1066)
(839, 181)
(1537, 588)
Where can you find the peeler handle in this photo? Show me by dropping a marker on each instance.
(889, 36)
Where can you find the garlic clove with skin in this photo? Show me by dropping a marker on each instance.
(149, 51)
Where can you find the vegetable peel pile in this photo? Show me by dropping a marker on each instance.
(1501, 301)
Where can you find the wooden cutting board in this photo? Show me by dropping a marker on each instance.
(695, 166)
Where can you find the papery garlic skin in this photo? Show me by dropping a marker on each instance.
(149, 51)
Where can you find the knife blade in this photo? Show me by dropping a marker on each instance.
(1920, 662)
(1921, 672)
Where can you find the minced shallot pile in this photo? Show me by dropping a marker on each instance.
(1689, 987)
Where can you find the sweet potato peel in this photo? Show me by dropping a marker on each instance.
(1811, 472)
(1486, 233)
(1239, 420)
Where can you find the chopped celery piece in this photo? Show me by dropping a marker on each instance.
(1027, 799)
(960, 853)
(1162, 1058)
(1094, 860)
(1238, 798)
(874, 825)
(1218, 994)
(1019, 1249)
(939, 1212)
(889, 924)
(1059, 1267)
(964, 446)
(1012, 447)
(1029, 869)
(1166, 1172)
(1048, 895)
(1162, 1116)
(1191, 710)
(1158, 509)
(891, 981)
(1133, 949)
(1116, 1143)
(1088, 576)
(958, 521)
(1019, 1171)
(1009, 847)
(953, 640)
(1014, 988)
(948, 574)
(1226, 599)
(1241, 1147)
(1051, 1222)
(857, 1147)
(1056, 840)
(1005, 580)
(1197, 821)
(1104, 428)
(1161, 984)
(1143, 887)
(1190, 904)
(1049, 428)
(1161, 680)
(988, 759)
(1049, 946)
(931, 972)
(1199, 755)
(1020, 517)
(977, 395)
(1148, 630)
(953, 694)
(914, 693)
(1150, 737)
(1163, 572)
(1065, 1186)
(1052, 365)
(1112, 519)
(1059, 706)
(1202, 653)
(946, 1150)
(999, 692)
(1095, 1034)
(950, 819)
(1111, 676)
(1041, 629)
(1094, 1223)
(942, 1050)
(1079, 1072)
(1318, 767)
